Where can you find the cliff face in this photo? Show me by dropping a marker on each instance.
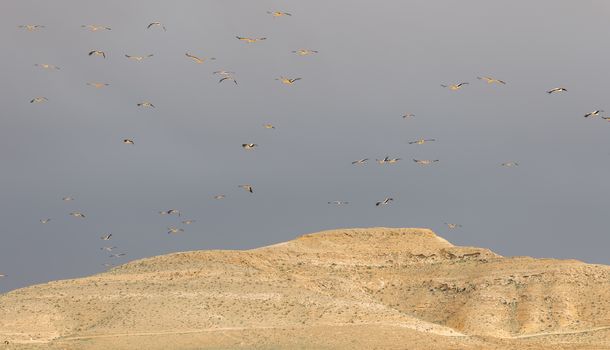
(408, 284)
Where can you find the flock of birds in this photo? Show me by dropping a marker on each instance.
(229, 76)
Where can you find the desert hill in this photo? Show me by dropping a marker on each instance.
(376, 288)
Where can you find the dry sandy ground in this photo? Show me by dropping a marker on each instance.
(377, 288)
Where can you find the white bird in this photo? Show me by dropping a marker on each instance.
(31, 27)
(268, 126)
(287, 81)
(77, 214)
(360, 161)
(408, 115)
(108, 249)
(220, 196)
(106, 237)
(46, 66)
(338, 202)
(276, 14)
(158, 24)
(68, 198)
(420, 141)
(248, 188)
(510, 164)
(250, 40)
(2, 275)
(97, 85)
(129, 142)
(188, 222)
(199, 60)
(453, 226)
(305, 52)
(171, 212)
(44, 221)
(595, 113)
(94, 27)
(97, 53)
(228, 77)
(117, 255)
(173, 230)
(557, 89)
(454, 86)
(249, 146)
(385, 201)
(108, 265)
(146, 104)
(491, 80)
(425, 161)
(39, 99)
(138, 58)
(388, 160)
(223, 72)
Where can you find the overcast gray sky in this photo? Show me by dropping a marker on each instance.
(376, 61)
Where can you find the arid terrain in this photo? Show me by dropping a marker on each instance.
(377, 288)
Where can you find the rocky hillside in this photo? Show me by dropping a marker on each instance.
(353, 288)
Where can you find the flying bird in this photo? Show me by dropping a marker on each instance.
(188, 222)
(606, 118)
(510, 164)
(2, 275)
(388, 160)
(305, 52)
(228, 77)
(94, 27)
(491, 80)
(557, 89)
(174, 230)
(287, 81)
(171, 212)
(44, 221)
(138, 58)
(425, 161)
(116, 255)
(97, 85)
(31, 27)
(248, 188)
(278, 13)
(108, 249)
(128, 142)
(268, 126)
(39, 99)
(594, 113)
(223, 72)
(156, 24)
(77, 214)
(360, 161)
(249, 146)
(385, 201)
(338, 202)
(198, 59)
(408, 115)
(454, 86)
(46, 66)
(220, 196)
(67, 199)
(146, 104)
(453, 226)
(106, 237)
(97, 53)
(250, 40)
(420, 141)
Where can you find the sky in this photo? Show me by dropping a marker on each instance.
(376, 61)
